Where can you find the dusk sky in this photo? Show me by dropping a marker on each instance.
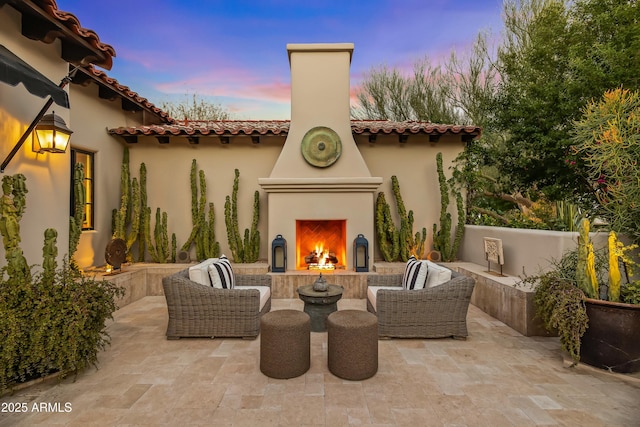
(233, 53)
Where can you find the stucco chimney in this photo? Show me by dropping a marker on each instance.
(322, 178)
(320, 76)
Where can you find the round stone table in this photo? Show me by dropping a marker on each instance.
(319, 305)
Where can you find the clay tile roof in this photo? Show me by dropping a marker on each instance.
(281, 127)
(387, 127)
(42, 20)
(101, 78)
(203, 128)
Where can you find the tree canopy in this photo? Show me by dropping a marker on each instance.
(454, 92)
(551, 60)
(195, 108)
(554, 58)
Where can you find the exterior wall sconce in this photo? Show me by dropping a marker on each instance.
(54, 143)
(279, 254)
(51, 135)
(361, 254)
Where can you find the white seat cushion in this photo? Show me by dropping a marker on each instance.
(372, 293)
(199, 273)
(437, 275)
(265, 293)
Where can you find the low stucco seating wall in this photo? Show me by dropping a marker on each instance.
(504, 298)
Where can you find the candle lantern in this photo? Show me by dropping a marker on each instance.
(279, 254)
(361, 254)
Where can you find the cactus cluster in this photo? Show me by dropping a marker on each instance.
(245, 249)
(127, 219)
(410, 244)
(442, 237)
(132, 221)
(396, 243)
(158, 247)
(203, 220)
(12, 206)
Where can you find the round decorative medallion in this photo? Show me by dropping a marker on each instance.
(321, 146)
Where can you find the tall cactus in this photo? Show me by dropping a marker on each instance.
(386, 231)
(457, 240)
(203, 231)
(247, 249)
(442, 237)
(203, 235)
(210, 247)
(194, 206)
(49, 255)
(75, 221)
(174, 245)
(614, 268)
(253, 253)
(121, 215)
(134, 228)
(12, 206)
(142, 206)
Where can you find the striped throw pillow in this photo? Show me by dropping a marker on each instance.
(221, 274)
(415, 274)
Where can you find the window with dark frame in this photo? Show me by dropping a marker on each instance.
(86, 159)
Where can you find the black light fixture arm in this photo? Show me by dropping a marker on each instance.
(35, 122)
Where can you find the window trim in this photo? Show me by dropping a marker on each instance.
(90, 180)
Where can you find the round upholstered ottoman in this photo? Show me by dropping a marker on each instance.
(285, 343)
(352, 344)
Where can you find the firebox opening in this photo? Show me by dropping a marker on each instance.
(321, 244)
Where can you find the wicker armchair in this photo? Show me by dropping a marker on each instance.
(200, 311)
(436, 312)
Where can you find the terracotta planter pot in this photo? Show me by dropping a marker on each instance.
(612, 340)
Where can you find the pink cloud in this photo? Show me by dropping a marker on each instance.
(231, 82)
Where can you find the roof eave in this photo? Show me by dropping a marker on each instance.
(42, 21)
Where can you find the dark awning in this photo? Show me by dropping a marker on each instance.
(14, 70)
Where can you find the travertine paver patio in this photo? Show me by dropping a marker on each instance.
(496, 377)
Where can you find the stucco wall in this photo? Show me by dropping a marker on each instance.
(168, 180)
(168, 184)
(414, 163)
(526, 252)
(90, 117)
(47, 174)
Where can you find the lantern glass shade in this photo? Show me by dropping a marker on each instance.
(51, 135)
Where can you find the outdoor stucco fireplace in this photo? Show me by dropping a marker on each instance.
(320, 186)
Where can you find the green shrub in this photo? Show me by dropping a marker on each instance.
(631, 293)
(560, 304)
(52, 326)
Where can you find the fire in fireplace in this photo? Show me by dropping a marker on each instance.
(320, 244)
